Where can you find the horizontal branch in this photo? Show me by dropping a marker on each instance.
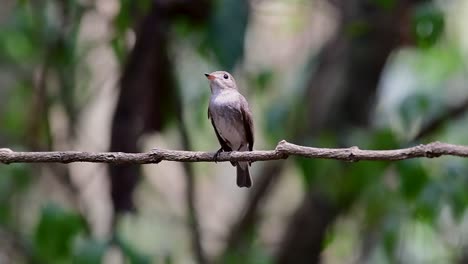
(282, 151)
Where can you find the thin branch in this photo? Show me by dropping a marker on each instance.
(435, 124)
(282, 151)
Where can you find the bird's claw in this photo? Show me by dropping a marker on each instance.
(217, 154)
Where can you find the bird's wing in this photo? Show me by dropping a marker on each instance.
(248, 123)
(222, 142)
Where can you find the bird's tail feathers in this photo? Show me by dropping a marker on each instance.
(243, 175)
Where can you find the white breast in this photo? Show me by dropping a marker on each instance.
(226, 114)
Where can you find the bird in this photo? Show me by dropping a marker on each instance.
(231, 118)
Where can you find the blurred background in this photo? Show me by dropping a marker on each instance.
(122, 75)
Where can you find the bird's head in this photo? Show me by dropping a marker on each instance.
(221, 80)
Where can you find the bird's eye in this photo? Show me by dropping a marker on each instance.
(225, 76)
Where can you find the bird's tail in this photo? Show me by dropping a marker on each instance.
(243, 175)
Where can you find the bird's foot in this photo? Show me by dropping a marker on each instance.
(217, 154)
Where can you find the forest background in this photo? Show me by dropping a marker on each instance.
(122, 75)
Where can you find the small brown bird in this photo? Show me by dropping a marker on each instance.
(232, 120)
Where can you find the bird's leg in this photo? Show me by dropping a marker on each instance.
(217, 154)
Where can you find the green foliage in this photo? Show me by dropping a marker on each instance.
(357, 28)
(357, 177)
(132, 255)
(37, 38)
(438, 63)
(454, 183)
(16, 46)
(13, 180)
(263, 80)
(427, 25)
(382, 195)
(415, 106)
(250, 254)
(18, 39)
(227, 31)
(385, 4)
(15, 118)
(122, 23)
(313, 170)
(412, 110)
(390, 241)
(345, 181)
(413, 178)
(61, 237)
(276, 120)
(428, 203)
(89, 252)
(381, 139)
(55, 233)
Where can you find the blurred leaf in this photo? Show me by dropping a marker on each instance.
(254, 254)
(383, 138)
(264, 79)
(128, 14)
(455, 184)
(124, 21)
(124, 18)
(201, 113)
(428, 203)
(184, 26)
(119, 47)
(19, 175)
(385, 4)
(308, 168)
(168, 259)
(5, 213)
(413, 108)
(284, 117)
(247, 251)
(275, 122)
(55, 233)
(13, 179)
(427, 25)
(313, 170)
(358, 176)
(414, 105)
(227, 31)
(132, 255)
(413, 178)
(390, 240)
(89, 252)
(17, 46)
(15, 117)
(439, 63)
(20, 39)
(325, 173)
(357, 29)
(330, 236)
(378, 201)
(459, 202)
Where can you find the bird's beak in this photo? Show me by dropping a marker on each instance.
(209, 76)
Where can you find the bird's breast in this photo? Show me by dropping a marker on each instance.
(226, 114)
